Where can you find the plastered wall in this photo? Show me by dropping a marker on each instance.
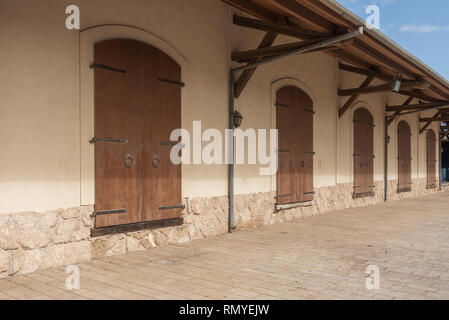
(46, 97)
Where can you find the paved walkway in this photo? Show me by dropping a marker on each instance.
(321, 257)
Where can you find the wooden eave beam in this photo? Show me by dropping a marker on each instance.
(253, 9)
(429, 122)
(382, 88)
(353, 99)
(372, 72)
(418, 95)
(304, 14)
(243, 56)
(420, 106)
(397, 113)
(246, 75)
(383, 59)
(436, 119)
(288, 30)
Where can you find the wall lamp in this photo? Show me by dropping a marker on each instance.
(237, 119)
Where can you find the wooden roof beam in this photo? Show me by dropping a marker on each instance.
(435, 119)
(383, 88)
(418, 95)
(374, 72)
(302, 13)
(419, 106)
(354, 97)
(253, 9)
(398, 112)
(243, 56)
(288, 30)
(429, 122)
(246, 75)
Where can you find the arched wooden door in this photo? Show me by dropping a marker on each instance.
(363, 153)
(294, 117)
(404, 157)
(137, 105)
(431, 159)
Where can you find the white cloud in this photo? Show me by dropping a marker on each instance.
(422, 28)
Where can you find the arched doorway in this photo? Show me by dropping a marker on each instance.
(431, 159)
(363, 153)
(137, 105)
(294, 117)
(404, 157)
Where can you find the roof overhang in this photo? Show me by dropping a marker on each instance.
(371, 54)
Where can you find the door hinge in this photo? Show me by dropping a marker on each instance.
(176, 83)
(172, 207)
(99, 213)
(309, 110)
(102, 66)
(107, 140)
(282, 105)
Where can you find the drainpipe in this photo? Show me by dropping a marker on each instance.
(440, 149)
(387, 140)
(231, 226)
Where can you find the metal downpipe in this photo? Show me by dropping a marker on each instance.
(231, 226)
(386, 142)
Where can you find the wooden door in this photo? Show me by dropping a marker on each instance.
(404, 157)
(294, 119)
(431, 159)
(161, 115)
(363, 153)
(135, 112)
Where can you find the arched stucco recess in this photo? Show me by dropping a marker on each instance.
(359, 105)
(88, 37)
(275, 86)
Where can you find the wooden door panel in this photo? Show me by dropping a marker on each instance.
(135, 106)
(404, 157)
(295, 124)
(117, 116)
(431, 159)
(363, 152)
(161, 115)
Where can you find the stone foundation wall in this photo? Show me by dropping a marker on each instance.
(33, 241)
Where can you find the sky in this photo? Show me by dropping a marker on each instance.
(419, 26)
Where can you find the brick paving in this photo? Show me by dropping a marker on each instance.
(320, 257)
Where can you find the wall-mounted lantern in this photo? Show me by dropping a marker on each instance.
(237, 119)
(397, 82)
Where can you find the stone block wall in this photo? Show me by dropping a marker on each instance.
(34, 241)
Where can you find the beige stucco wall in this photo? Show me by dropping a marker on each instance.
(46, 97)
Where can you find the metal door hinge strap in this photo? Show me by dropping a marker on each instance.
(107, 140)
(283, 195)
(177, 83)
(285, 151)
(309, 110)
(171, 143)
(102, 66)
(282, 105)
(309, 152)
(172, 207)
(309, 192)
(99, 213)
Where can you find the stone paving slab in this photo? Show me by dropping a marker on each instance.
(319, 257)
